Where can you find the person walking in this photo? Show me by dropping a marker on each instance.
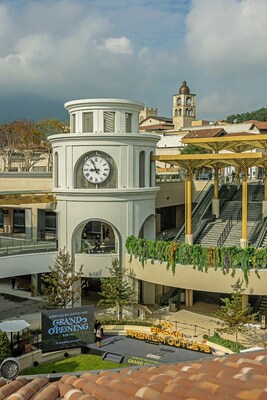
(99, 337)
(13, 282)
(86, 288)
(233, 176)
(97, 325)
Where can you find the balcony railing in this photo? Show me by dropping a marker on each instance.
(16, 246)
(94, 247)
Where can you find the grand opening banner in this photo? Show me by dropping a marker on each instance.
(67, 328)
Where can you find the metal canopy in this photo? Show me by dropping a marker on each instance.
(231, 142)
(190, 161)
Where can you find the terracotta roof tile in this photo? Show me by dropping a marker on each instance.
(233, 377)
(12, 387)
(260, 124)
(2, 382)
(101, 392)
(89, 387)
(49, 392)
(129, 388)
(64, 388)
(205, 133)
(118, 395)
(73, 394)
(147, 393)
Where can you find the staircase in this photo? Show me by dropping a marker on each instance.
(164, 298)
(254, 214)
(116, 358)
(201, 214)
(262, 305)
(213, 230)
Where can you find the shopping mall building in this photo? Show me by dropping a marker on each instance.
(112, 180)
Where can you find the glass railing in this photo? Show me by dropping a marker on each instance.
(170, 177)
(16, 246)
(97, 247)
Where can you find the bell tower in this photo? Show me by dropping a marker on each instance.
(184, 107)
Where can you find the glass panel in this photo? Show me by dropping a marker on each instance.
(19, 221)
(88, 122)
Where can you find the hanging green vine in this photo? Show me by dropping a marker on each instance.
(228, 259)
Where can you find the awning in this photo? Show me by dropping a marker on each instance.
(15, 325)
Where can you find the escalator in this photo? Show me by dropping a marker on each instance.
(201, 213)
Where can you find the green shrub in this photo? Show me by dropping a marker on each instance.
(4, 346)
(229, 344)
(114, 321)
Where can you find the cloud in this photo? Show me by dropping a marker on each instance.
(227, 34)
(120, 45)
(141, 49)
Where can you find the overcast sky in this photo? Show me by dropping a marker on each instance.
(53, 51)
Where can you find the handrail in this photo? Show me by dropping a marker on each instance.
(202, 191)
(262, 234)
(166, 296)
(34, 247)
(196, 208)
(225, 232)
(202, 224)
(239, 214)
(255, 229)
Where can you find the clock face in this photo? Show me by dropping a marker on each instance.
(96, 169)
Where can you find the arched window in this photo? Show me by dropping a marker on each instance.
(188, 101)
(56, 169)
(180, 112)
(179, 101)
(142, 169)
(176, 113)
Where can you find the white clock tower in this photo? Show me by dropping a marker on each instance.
(104, 182)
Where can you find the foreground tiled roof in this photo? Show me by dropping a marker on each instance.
(232, 377)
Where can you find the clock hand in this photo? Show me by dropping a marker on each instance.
(95, 169)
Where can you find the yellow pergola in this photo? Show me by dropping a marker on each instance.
(231, 142)
(241, 161)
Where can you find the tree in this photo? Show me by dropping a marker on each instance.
(61, 286)
(116, 292)
(258, 115)
(232, 317)
(193, 149)
(8, 144)
(25, 142)
(49, 127)
(5, 351)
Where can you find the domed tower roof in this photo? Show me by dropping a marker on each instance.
(184, 89)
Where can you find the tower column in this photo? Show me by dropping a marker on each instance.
(188, 191)
(243, 241)
(216, 201)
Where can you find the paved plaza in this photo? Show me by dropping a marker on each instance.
(193, 322)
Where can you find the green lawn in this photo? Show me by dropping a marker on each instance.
(82, 362)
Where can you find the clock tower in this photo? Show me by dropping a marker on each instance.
(104, 182)
(184, 107)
